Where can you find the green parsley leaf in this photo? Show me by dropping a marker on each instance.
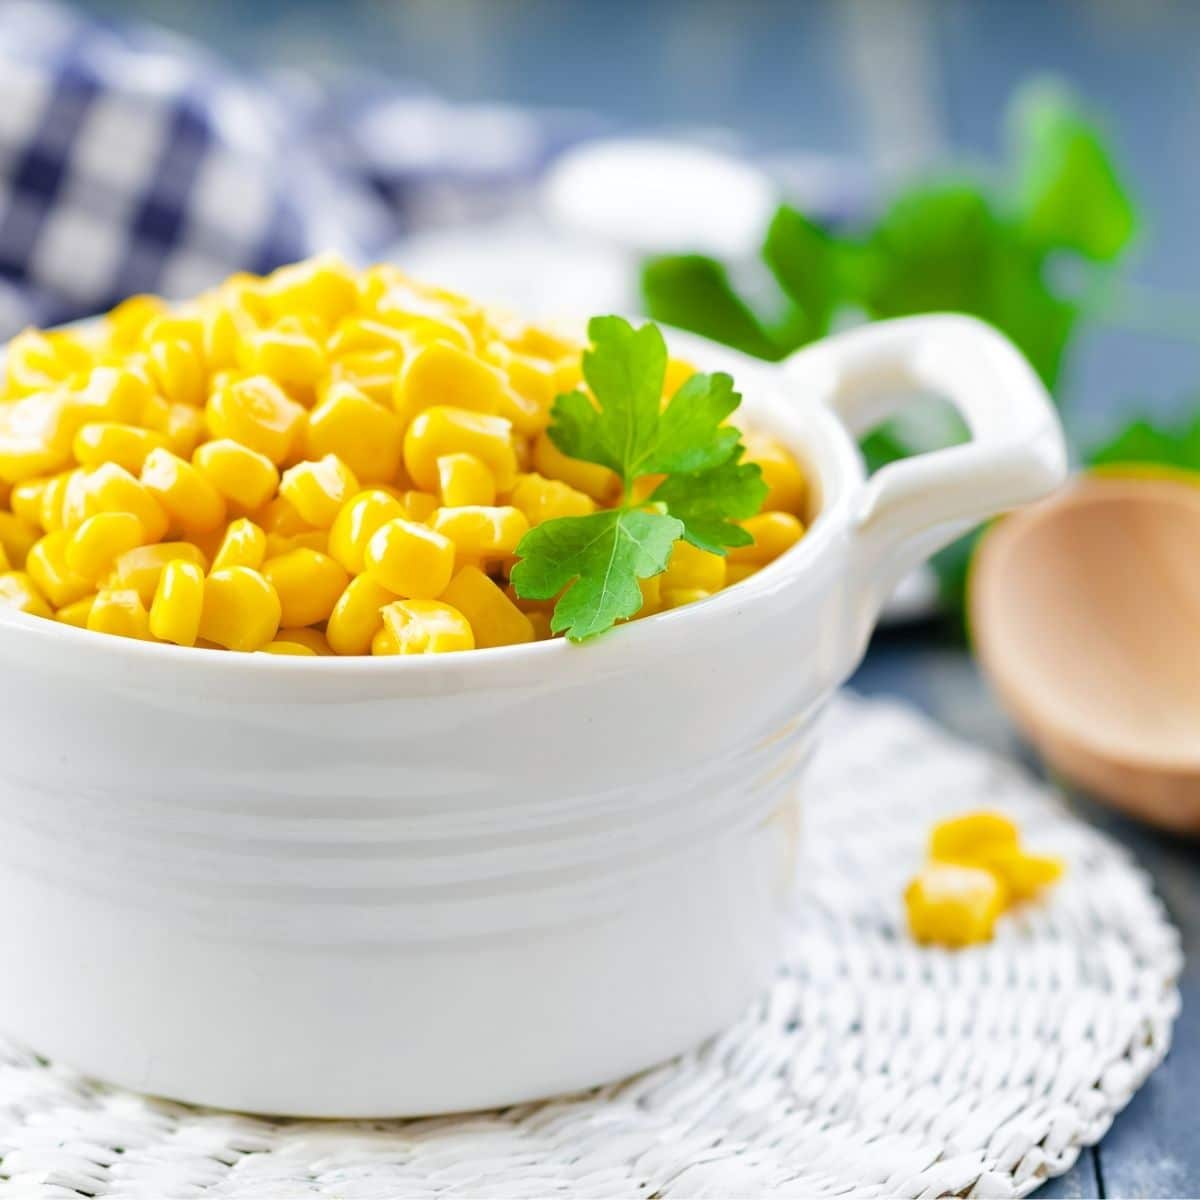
(593, 563)
(598, 559)
(709, 502)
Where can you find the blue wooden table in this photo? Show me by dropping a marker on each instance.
(1152, 1148)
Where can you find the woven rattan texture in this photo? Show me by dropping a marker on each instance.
(872, 1067)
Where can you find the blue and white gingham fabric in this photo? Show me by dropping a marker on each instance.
(131, 160)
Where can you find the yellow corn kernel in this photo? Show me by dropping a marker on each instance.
(693, 568)
(422, 627)
(786, 485)
(25, 500)
(773, 533)
(176, 369)
(481, 531)
(540, 624)
(119, 611)
(46, 565)
(18, 590)
(35, 436)
(288, 649)
(278, 516)
(310, 539)
(193, 504)
(439, 374)
(178, 603)
(357, 616)
(950, 905)
(677, 597)
(111, 393)
(495, 620)
(367, 437)
(532, 379)
(107, 441)
(356, 524)
(419, 506)
(35, 360)
(372, 372)
(677, 374)
(241, 475)
(244, 545)
(1023, 875)
(183, 428)
(241, 610)
(109, 488)
(293, 358)
(962, 838)
(324, 287)
(317, 490)
(92, 547)
(257, 413)
(542, 499)
(465, 479)
(5, 565)
(409, 560)
(225, 325)
(541, 342)
(652, 600)
(310, 639)
(596, 481)
(142, 568)
(445, 430)
(76, 613)
(307, 583)
(171, 326)
(54, 500)
(361, 335)
(735, 572)
(17, 536)
(127, 322)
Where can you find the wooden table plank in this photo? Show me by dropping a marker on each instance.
(1153, 1148)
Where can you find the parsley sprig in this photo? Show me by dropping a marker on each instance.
(596, 561)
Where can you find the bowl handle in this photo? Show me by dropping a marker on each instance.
(909, 509)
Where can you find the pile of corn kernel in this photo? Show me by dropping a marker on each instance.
(977, 869)
(321, 461)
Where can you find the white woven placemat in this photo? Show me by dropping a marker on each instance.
(872, 1068)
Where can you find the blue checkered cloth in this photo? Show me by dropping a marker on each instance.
(132, 161)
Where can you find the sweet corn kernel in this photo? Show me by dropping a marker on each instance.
(310, 539)
(243, 476)
(92, 547)
(422, 627)
(965, 836)
(292, 357)
(46, 565)
(288, 649)
(445, 430)
(127, 322)
(241, 610)
(540, 623)
(170, 326)
(178, 603)
(596, 481)
(119, 612)
(278, 516)
(324, 287)
(35, 361)
(176, 369)
(651, 590)
(357, 616)
(17, 536)
(25, 501)
(257, 413)
(192, 503)
(224, 327)
(5, 565)
(141, 569)
(693, 568)
(1023, 875)
(244, 545)
(419, 506)
(465, 479)
(495, 620)
(371, 372)
(317, 490)
(787, 489)
(76, 613)
(107, 441)
(307, 583)
(109, 488)
(182, 427)
(18, 590)
(481, 531)
(35, 436)
(364, 435)
(773, 533)
(310, 639)
(439, 374)
(117, 394)
(735, 572)
(356, 525)
(949, 905)
(409, 560)
(531, 388)
(54, 500)
(542, 499)
(677, 597)
(361, 335)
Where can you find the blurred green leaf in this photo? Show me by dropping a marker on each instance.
(803, 259)
(1070, 195)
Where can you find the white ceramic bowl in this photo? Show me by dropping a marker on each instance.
(350, 887)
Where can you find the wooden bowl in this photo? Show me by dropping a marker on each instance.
(1085, 613)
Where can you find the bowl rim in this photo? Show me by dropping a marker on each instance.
(806, 425)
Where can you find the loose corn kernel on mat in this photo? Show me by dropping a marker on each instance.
(871, 1068)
